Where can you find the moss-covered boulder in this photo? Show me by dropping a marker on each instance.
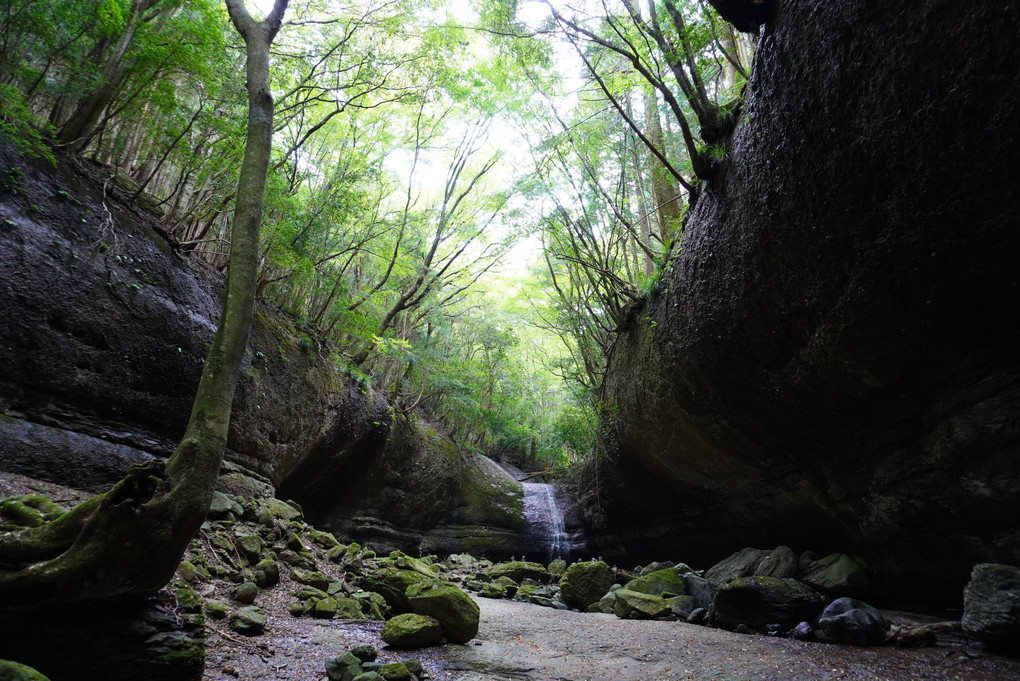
(634, 605)
(395, 671)
(392, 583)
(518, 571)
(837, 574)
(13, 671)
(585, 583)
(456, 612)
(665, 582)
(249, 621)
(760, 601)
(412, 630)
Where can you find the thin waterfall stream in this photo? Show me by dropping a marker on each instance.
(546, 519)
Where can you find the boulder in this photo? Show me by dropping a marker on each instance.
(246, 592)
(760, 601)
(700, 589)
(346, 667)
(248, 621)
(634, 605)
(585, 583)
(779, 562)
(654, 567)
(411, 630)
(456, 612)
(392, 583)
(836, 574)
(13, 671)
(223, 507)
(991, 606)
(519, 570)
(395, 671)
(851, 622)
(743, 563)
(659, 583)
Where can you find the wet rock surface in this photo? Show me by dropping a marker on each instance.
(827, 357)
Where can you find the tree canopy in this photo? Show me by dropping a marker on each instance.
(466, 201)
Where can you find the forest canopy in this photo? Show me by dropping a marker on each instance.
(466, 200)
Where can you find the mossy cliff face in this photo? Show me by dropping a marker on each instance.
(105, 328)
(833, 357)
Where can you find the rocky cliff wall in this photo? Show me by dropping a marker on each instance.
(103, 330)
(833, 361)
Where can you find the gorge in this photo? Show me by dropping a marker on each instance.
(827, 361)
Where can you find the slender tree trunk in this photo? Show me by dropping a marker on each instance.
(129, 541)
(664, 191)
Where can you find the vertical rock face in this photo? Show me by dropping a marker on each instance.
(103, 331)
(833, 361)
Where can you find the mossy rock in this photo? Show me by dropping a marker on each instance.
(249, 621)
(665, 582)
(266, 573)
(634, 605)
(519, 570)
(323, 539)
(760, 601)
(585, 583)
(457, 613)
(14, 671)
(311, 578)
(324, 608)
(411, 630)
(216, 609)
(246, 592)
(393, 584)
(395, 671)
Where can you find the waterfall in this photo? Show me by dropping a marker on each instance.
(546, 520)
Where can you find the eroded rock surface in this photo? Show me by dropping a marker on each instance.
(830, 362)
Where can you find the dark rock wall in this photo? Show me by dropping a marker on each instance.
(103, 331)
(834, 360)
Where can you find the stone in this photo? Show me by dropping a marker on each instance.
(346, 667)
(250, 546)
(266, 573)
(324, 539)
(509, 585)
(779, 562)
(634, 605)
(991, 606)
(246, 592)
(369, 676)
(661, 582)
(411, 630)
(365, 653)
(698, 616)
(700, 589)
(803, 632)
(851, 622)
(349, 608)
(223, 507)
(457, 614)
(681, 606)
(313, 579)
(519, 571)
(654, 567)
(743, 563)
(324, 608)
(392, 583)
(248, 621)
(395, 671)
(760, 601)
(215, 609)
(836, 574)
(557, 568)
(585, 583)
(13, 671)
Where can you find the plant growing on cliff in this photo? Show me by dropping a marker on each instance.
(129, 541)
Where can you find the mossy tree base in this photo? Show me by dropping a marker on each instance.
(157, 639)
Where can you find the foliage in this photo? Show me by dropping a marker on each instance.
(416, 142)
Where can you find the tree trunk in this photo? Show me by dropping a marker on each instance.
(664, 191)
(129, 541)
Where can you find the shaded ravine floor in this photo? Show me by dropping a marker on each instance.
(521, 642)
